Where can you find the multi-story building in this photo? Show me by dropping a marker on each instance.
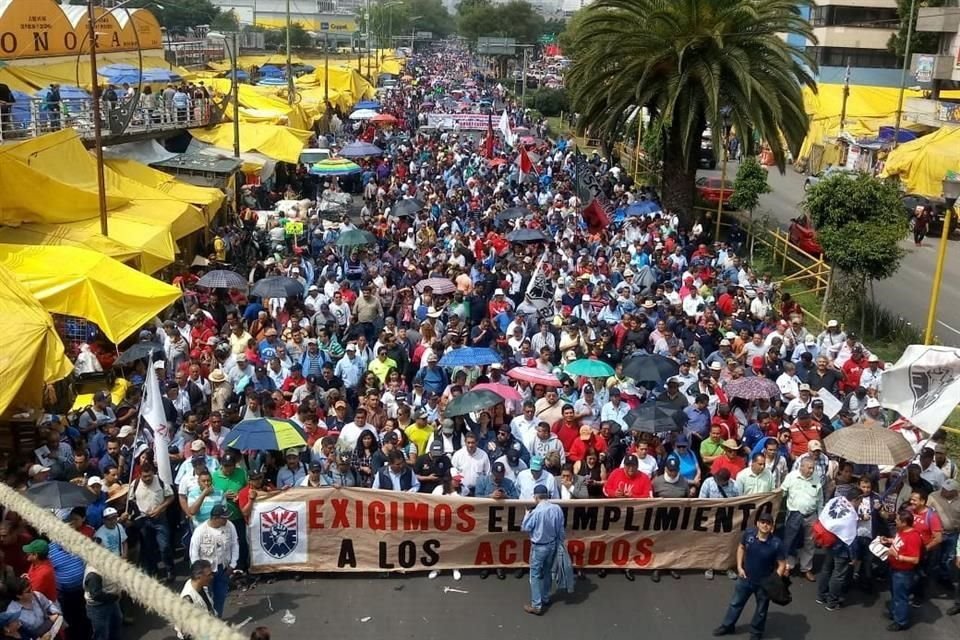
(937, 68)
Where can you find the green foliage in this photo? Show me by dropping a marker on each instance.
(749, 185)
(516, 19)
(225, 22)
(434, 17)
(688, 60)
(550, 102)
(180, 16)
(299, 38)
(920, 42)
(652, 143)
(859, 222)
(567, 39)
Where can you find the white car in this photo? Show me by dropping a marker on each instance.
(826, 173)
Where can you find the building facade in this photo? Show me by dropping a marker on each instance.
(937, 68)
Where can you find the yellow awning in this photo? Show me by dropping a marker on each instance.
(275, 142)
(38, 355)
(209, 198)
(922, 164)
(89, 285)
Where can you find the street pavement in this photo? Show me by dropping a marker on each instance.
(400, 607)
(907, 293)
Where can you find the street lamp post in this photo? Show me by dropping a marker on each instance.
(97, 132)
(951, 192)
(903, 74)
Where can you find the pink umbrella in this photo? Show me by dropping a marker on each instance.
(502, 390)
(534, 376)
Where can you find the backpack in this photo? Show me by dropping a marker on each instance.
(822, 537)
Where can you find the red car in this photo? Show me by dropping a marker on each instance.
(804, 236)
(713, 190)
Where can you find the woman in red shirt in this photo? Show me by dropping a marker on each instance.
(903, 558)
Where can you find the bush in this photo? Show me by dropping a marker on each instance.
(549, 102)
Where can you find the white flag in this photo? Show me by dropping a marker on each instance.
(839, 517)
(152, 413)
(504, 128)
(924, 385)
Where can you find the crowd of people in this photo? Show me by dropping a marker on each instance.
(357, 363)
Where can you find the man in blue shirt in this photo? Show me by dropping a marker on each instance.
(545, 524)
(759, 555)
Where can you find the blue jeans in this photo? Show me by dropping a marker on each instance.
(741, 595)
(160, 530)
(219, 589)
(833, 574)
(948, 551)
(106, 620)
(901, 582)
(542, 557)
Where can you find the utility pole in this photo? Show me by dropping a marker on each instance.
(291, 93)
(846, 96)
(523, 86)
(903, 74)
(97, 133)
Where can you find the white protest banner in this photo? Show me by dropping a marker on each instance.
(923, 386)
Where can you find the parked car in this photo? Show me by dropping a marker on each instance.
(713, 190)
(826, 173)
(804, 236)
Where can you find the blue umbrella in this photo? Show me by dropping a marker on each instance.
(367, 104)
(469, 357)
(643, 207)
(66, 93)
(266, 434)
(20, 111)
(268, 70)
(360, 149)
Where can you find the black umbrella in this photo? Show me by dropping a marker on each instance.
(655, 417)
(277, 287)
(513, 213)
(406, 208)
(525, 236)
(138, 351)
(650, 368)
(222, 279)
(59, 495)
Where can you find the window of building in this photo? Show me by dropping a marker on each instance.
(864, 58)
(863, 17)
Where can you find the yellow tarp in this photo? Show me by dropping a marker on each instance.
(38, 355)
(275, 142)
(118, 393)
(209, 198)
(87, 284)
(76, 72)
(265, 101)
(923, 163)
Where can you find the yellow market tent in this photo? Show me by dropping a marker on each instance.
(89, 285)
(265, 101)
(76, 72)
(923, 163)
(275, 142)
(209, 198)
(38, 355)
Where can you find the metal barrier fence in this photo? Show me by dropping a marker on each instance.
(38, 117)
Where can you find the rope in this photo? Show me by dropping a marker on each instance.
(151, 594)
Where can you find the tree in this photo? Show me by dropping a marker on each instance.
(567, 39)
(516, 19)
(688, 60)
(434, 18)
(920, 42)
(299, 38)
(860, 223)
(549, 102)
(226, 22)
(180, 17)
(748, 186)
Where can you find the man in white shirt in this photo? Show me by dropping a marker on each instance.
(524, 426)
(615, 409)
(471, 462)
(350, 434)
(534, 476)
(789, 383)
(870, 377)
(216, 542)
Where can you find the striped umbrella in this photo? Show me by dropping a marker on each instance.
(441, 286)
(534, 376)
(266, 434)
(222, 279)
(332, 167)
(869, 444)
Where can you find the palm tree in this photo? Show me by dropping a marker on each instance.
(688, 62)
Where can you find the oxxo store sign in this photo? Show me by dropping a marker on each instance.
(42, 28)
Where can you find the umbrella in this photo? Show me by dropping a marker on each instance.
(362, 114)
(650, 368)
(277, 287)
(266, 434)
(469, 357)
(406, 208)
(360, 149)
(383, 118)
(138, 351)
(471, 401)
(642, 207)
(654, 417)
(866, 444)
(367, 104)
(355, 238)
(498, 162)
(513, 213)
(502, 390)
(59, 495)
(753, 388)
(222, 279)
(441, 286)
(525, 236)
(333, 167)
(534, 376)
(589, 368)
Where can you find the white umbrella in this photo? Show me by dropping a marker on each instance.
(363, 114)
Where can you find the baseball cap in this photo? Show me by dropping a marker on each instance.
(804, 387)
(291, 453)
(197, 445)
(631, 461)
(436, 446)
(499, 467)
(766, 516)
(316, 466)
(873, 358)
(110, 512)
(815, 446)
(391, 437)
(37, 469)
(125, 431)
(540, 490)
(36, 546)
(220, 511)
(673, 464)
(872, 403)
(536, 463)
(950, 485)
(803, 413)
(92, 480)
(682, 441)
(832, 324)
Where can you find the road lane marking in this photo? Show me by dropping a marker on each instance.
(944, 324)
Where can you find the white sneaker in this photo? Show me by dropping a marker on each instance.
(433, 574)
(456, 574)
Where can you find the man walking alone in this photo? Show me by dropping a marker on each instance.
(544, 523)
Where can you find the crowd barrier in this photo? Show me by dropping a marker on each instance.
(358, 530)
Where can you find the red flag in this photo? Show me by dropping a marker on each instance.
(595, 217)
(488, 143)
(526, 164)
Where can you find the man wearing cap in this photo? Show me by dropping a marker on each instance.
(615, 409)
(760, 554)
(112, 534)
(98, 415)
(433, 377)
(535, 476)
(803, 431)
(41, 574)
(870, 377)
(216, 541)
(545, 524)
(731, 460)
(431, 467)
(627, 481)
(350, 369)
(821, 463)
(293, 472)
(671, 483)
